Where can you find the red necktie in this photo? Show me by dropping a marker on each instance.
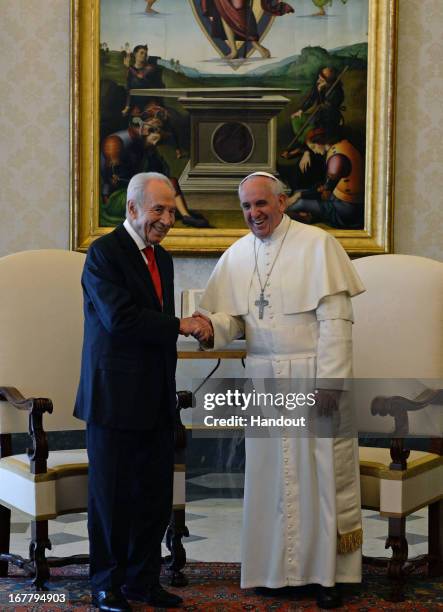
(155, 274)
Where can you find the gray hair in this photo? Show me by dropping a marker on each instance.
(277, 186)
(137, 186)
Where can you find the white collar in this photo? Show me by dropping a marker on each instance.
(135, 237)
(279, 231)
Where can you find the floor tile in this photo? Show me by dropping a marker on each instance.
(19, 527)
(72, 518)
(192, 538)
(414, 539)
(193, 517)
(215, 520)
(219, 481)
(58, 539)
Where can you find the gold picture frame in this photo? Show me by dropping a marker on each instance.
(375, 237)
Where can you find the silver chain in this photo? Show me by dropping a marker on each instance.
(263, 287)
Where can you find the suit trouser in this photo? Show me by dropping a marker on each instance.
(130, 502)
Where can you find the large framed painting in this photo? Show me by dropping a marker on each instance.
(207, 91)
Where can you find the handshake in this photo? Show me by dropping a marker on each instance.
(198, 326)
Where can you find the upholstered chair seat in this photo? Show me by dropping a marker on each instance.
(397, 493)
(63, 489)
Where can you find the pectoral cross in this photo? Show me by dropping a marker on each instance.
(261, 303)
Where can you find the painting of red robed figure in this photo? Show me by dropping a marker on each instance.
(231, 21)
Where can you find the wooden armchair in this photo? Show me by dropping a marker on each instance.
(41, 330)
(398, 334)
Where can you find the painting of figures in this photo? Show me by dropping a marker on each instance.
(206, 91)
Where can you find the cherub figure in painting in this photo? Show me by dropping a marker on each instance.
(234, 20)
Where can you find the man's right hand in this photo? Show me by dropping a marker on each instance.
(198, 327)
(208, 341)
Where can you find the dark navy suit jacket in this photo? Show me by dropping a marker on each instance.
(129, 348)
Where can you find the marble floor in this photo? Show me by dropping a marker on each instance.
(214, 517)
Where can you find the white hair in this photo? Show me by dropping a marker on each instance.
(137, 186)
(277, 186)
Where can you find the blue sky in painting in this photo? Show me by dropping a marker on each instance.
(175, 33)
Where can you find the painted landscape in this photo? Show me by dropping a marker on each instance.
(347, 64)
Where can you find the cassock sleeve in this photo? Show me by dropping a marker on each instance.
(226, 329)
(334, 350)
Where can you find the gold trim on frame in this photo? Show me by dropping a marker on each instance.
(375, 238)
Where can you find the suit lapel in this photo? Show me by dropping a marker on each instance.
(138, 263)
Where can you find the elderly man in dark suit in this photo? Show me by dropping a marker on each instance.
(127, 397)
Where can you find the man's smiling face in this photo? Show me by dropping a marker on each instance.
(262, 207)
(153, 220)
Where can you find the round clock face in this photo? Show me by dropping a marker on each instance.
(232, 142)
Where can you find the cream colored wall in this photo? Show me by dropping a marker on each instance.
(34, 130)
(34, 124)
(418, 222)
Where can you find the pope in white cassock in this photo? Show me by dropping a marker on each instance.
(286, 287)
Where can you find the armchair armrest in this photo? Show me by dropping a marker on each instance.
(398, 407)
(36, 406)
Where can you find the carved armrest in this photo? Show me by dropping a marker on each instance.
(396, 404)
(398, 407)
(36, 407)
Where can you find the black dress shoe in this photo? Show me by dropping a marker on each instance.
(329, 597)
(110, 601)
(154, 596)
(267, 592)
